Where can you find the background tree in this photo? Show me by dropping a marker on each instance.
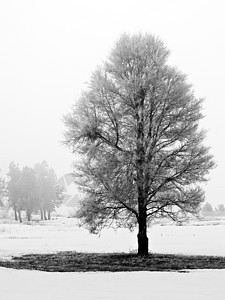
(4, 203)
(220, 210)
(33, 189)
(51, 199)
(137, 129)
(207, 209)
(14, 190)
(2, 191)
(48, 191)
(28, 186)
(41, 170)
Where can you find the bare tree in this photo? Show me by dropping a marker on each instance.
(137, 131)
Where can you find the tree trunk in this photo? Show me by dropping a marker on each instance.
(20, 219)
(44, 211)
(15, 213)
(41, 211)
(141, 169)
(49, 215)
(28, 216)
(142, 232)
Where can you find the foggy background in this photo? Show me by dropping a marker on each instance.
(48, 50)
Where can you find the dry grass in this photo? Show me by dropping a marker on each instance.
(112, 262)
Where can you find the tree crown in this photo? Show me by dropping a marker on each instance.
(137, 129)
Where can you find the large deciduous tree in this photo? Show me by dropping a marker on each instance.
(136, 128)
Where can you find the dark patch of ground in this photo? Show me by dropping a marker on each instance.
(116, 262)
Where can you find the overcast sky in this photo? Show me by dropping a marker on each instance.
(48, 49)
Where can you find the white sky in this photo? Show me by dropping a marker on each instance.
(48, 49)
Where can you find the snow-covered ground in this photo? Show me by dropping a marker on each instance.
(197, 240)
(63, 234)
(27, 285)
(60, 235)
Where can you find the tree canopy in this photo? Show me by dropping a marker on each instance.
(136, 128)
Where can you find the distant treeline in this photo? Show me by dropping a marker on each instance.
(208, 210)
(31, 190)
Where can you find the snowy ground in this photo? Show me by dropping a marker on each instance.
(63, 234)
(27, 285)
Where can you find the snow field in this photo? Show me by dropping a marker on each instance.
(64, 235)
(190, 240)
(196, 285)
